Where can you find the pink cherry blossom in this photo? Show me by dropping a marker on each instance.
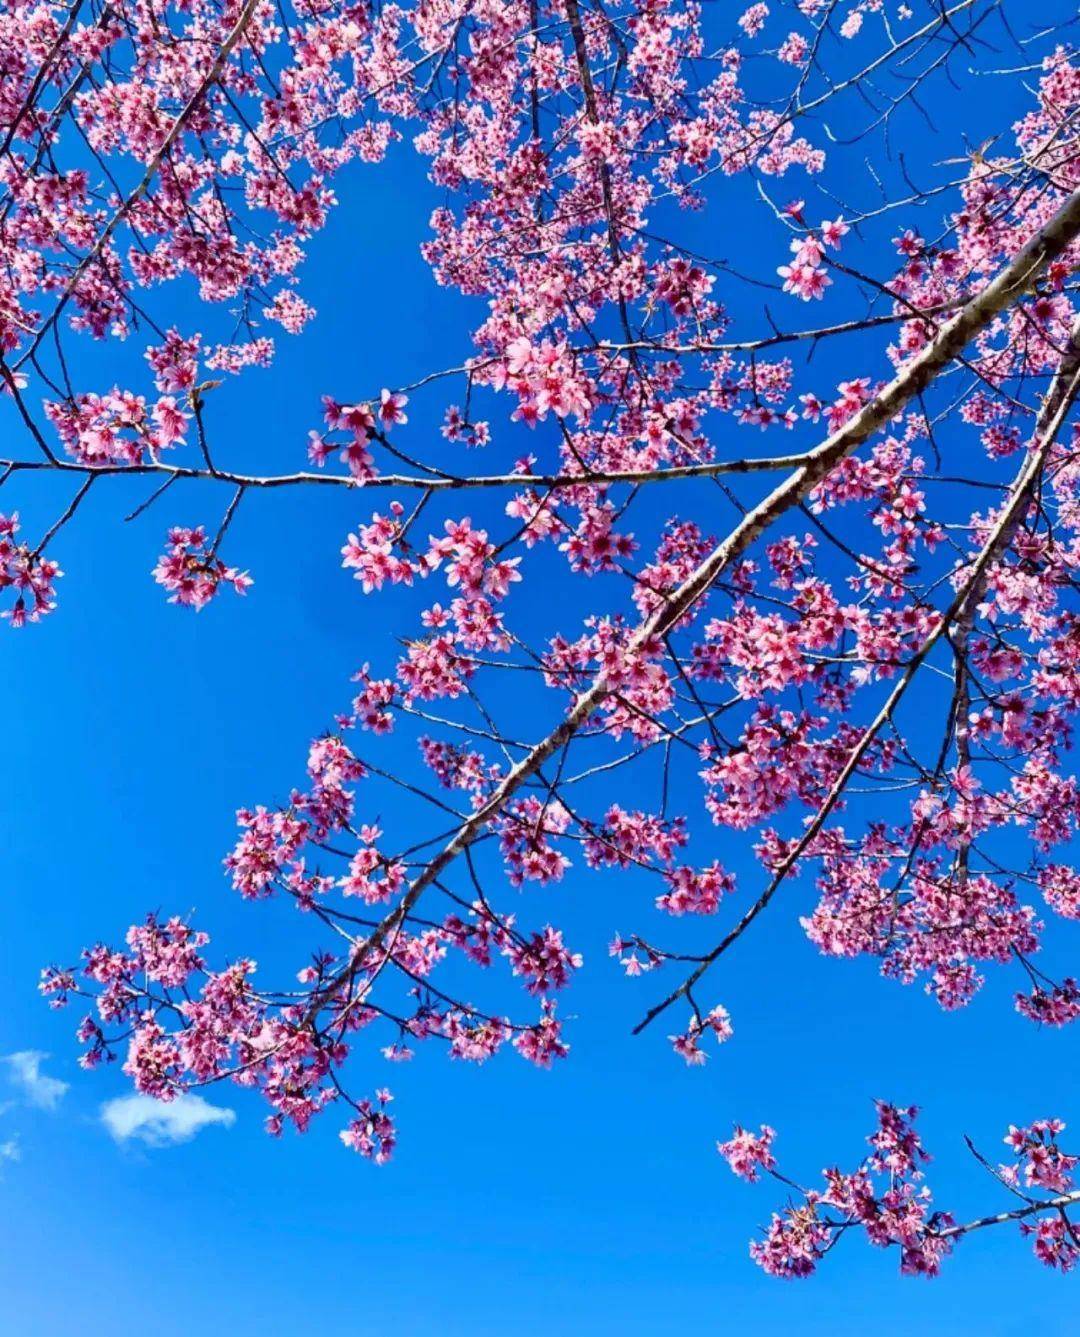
(659, 579)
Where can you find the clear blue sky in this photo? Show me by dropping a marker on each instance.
(588, 1199)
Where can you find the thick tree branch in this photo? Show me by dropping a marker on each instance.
(1059, 401)
(1013, 281)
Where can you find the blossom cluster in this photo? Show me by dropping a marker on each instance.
(739, 683)
(888, 1201)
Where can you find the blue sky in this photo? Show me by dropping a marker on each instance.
(588, 1199)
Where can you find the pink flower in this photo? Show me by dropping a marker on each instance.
(391, 409)
(192, 572)
(748, 1153)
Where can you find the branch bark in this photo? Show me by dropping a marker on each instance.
(1015, 279)
(152, 167)
(1059, 400)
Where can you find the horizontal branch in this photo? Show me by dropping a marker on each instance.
(856, 326)
(441, 482)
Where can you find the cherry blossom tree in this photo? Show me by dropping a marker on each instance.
(857, 657)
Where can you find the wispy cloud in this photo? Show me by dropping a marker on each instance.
(162, 1123)
(10, 1150)
(37, 1089)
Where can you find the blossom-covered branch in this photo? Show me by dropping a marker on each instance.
(853, 662)
(887, 1199)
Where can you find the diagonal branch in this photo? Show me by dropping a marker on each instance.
(1058, 1204)
(960, 613)
(152, 167)
(1015, 279)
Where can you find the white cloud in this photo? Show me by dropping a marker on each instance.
(161, 1123)
(24, 1070)
(10, 1150)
